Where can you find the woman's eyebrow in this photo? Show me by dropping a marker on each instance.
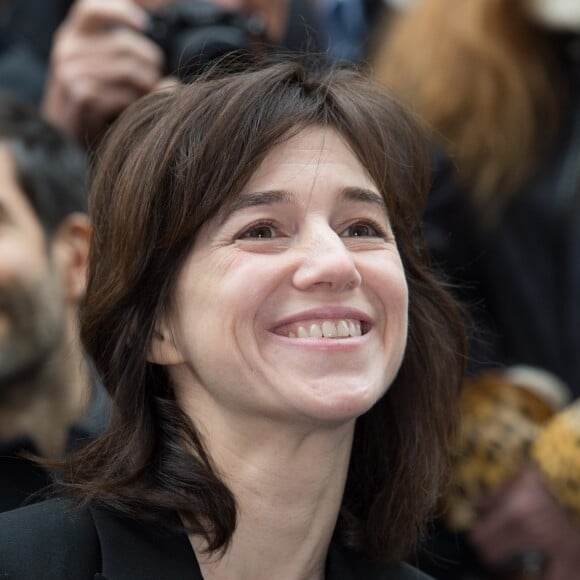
(364, 195)
(276, 196)
(257, 198)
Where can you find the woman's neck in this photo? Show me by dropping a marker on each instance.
(288, 489)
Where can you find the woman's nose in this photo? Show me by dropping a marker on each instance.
(326, 262)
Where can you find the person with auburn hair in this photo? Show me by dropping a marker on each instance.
(499, 83)
(283, 368)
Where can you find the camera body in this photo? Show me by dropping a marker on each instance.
(193, 33)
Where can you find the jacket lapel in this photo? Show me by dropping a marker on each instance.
(131, 549)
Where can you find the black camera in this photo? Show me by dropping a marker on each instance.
(194, 33)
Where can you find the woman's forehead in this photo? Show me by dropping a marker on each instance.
(314, 146)
(296, 162)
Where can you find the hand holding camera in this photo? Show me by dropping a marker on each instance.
(100, 63)
(108, 53)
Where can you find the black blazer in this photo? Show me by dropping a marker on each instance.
(53, 541)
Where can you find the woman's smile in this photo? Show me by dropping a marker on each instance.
(342, 328)
(319, 325)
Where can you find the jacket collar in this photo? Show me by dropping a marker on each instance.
(132, 549)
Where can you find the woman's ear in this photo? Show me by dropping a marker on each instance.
(163, 348)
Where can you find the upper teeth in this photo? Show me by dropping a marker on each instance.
(327, 329)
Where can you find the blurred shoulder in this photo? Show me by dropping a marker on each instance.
(50, 539)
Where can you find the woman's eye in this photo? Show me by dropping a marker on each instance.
(260, 231)
(362, 230)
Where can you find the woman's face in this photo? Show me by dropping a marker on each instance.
(292, 305)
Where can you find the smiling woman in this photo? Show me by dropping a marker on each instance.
(283, 367)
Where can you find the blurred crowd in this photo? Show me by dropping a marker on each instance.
(82, 62)
(496, 84)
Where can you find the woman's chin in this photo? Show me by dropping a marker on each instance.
(340, 405)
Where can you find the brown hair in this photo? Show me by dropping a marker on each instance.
(171, 163)
(487, 80)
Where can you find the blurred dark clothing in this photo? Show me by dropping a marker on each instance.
(521, 276)
(20, 477)
(33, 22)
(303, 28)
(448, 556)
(26, 30)
(22, 74)
(347, 27)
